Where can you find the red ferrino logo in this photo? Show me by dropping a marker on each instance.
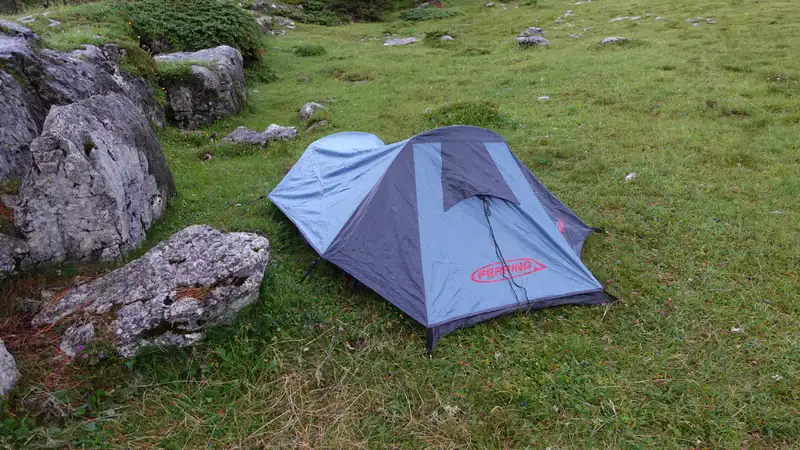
(515, 268)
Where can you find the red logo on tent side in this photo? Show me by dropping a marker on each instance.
(561, 226)
(515, 268)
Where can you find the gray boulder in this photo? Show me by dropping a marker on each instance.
(309, 110)
(19, 127)
(197, 279)
(532, 41)
(446, 37)
(531, 31)
(31, 82)
(275, 25)
(9, 374)
(244, 135)
(214, 90)
(400, 41)
(99, 179)
(12, 252)
(613, 40)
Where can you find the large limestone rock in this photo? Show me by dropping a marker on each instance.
(32, 81)
(198, 278)
(244, 135)
(215, 88)
(12, 253)
(99, 179)
(9, 374)
(19, 128)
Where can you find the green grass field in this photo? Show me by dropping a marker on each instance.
(702, 249)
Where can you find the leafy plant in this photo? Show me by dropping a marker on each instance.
(478, 113)
(187, 25)
(309, 50)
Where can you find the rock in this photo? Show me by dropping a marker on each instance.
(197, 279)
(316, 126)
(214, 90)
(657, 18)
(635, 18)
(12, 253)
(309, 110)
(263, 5)
(575, 36)
(531, 31)
(543, 98)
(276, 132)
(613, 40)
(273, 132)
(31, 83)
(275, 25)
(489, 5)
(532, 41)
(446, 37)
(244, 135)
(617, 19)
(19, 128)
(99, 180)
(76, 338)
(14, 29)
(46, 406)
(631, 176)
(9, 374)
(400, 41)
(583, 2)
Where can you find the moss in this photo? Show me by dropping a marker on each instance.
(309, 50)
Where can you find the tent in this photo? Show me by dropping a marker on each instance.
(449, 226)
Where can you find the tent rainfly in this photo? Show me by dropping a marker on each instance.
(449, 226)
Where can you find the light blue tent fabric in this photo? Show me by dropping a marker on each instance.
(449, 225)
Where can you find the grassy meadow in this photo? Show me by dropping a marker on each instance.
(702, 248)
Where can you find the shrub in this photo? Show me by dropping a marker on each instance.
(478, 113)
(187, 25)
(418, 14)
(309, 50)
(362, 10)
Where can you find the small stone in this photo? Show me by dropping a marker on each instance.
(635, 18)
(400, 41)
(276, 132)
(489, 5)
(532, 41)
(575, 36)
(244, 135)
(309, 110)
(777, 377)
(617, 19)
(696, 24)
(531, 31)
(208, 157)
(76, 338)
(657, 18)
(631, 176)
(316, 126)
(613, 40)
(737, 329)
(446, 37)
(543, 98)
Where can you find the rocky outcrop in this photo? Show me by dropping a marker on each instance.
(9, 374)
(267, 6)
(244, 135)
(31, 81)
(98, 180)
(400, 41)
(274, 25)
(76, 338)
(196, 279)
(19, 128)
(212, 89)
(12, 252)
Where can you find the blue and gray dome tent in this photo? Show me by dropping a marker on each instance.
(449, 226)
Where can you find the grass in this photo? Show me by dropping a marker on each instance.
(701, 249)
